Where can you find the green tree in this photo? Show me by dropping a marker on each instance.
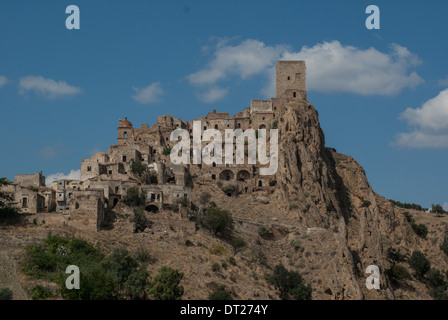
(134, 197)
(138, 167)
(120, 265)
(437, 208)
(95, 284)
(167, 151)
(5, 294)
(140, 220)
(165, 285)
(419, 263)
(218, 221)
(290, 284)
(137, 284)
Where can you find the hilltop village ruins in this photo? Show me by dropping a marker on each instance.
(106, 176)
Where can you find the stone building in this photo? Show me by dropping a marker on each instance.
(107, 176)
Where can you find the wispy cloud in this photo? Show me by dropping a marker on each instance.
(150, 94)
(73, 175)
(3, 81)
(430, 124)
(48, 88)
(51, 152)
(331, 67)
(212, 94)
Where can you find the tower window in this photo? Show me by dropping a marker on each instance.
(205, 127)
(125, 135)
(216, 126)
(124, 158)
(89, 168)
(289, 78)
(294, 94)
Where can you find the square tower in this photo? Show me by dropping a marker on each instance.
(290, 79)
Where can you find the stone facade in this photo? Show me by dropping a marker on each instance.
(106, 176)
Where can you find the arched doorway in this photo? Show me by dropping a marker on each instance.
(243, 175)
(226, 175)
(152, 208)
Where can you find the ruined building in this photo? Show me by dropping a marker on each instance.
(106, 176)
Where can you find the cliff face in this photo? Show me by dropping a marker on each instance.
(330, 195)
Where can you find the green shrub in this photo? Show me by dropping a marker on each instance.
(218, 221)
(232, 261)
(238, 243)
(167, 151)
(290, 284)
(137, 284)
(41, 293)
(140, 220)
(365, 203)
(444, 247)
(420, 230)
(409, 217)
(120, 265)
(229, 188)
(5, 294)
(395, 255)
(138, 167)
(218, 250)
(165, 285)
(419, 263)
(220, 294)
(134, 197)
(436, 283)
(398, 273)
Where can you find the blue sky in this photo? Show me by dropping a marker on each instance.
(380, 94)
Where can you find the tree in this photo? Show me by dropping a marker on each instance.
(138, 167)
(238, 243)
(137, 283)
(134, 197)
(419, 263)
(290, 284)
(140, 220)
(437, 208)
(95, 284)
(398, 273)
(165, 285)
(218, 221)
(120, 265)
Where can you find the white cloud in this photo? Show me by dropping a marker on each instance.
(250, 57)
(47, 88)
(445, 206)
(73, 175)
(331, 67)
(212, 94)
(149, 94)
(3, 80)
(430, 124)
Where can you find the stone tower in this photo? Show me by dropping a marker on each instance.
(290, 80)
(125, 131)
